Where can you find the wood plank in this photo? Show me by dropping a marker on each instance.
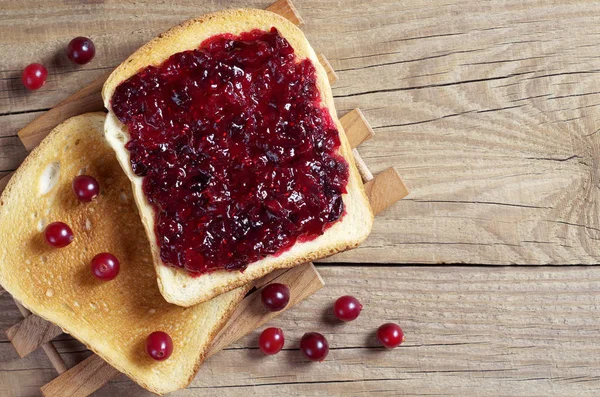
(469, 331)
(303, 281)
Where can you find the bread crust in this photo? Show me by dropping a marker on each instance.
(175, 284)
(111, 318)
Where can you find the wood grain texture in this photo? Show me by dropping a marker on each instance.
(490, 112)
(496, 331)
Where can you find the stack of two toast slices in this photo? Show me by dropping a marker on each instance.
(114, 318)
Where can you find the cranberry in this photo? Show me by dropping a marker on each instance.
(271, 341)
(314, 346)
(159, 345)
(390, 335)
(347, 308)
(81, 50)
(86, 188)
(105, 266)
(275, 296)
(58, 234)
(34, 76)
(238, 154)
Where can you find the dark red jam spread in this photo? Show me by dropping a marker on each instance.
(238, 155)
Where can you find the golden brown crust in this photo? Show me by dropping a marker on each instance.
(111, 318)
(175, 284)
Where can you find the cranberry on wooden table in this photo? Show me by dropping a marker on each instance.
(159, 345)
(390, 335)
(314, 346)
(34, 76)
(105, 266)
(58, 234)
(85, 188)
(347, 308)
(81, 50)
(275, 296)
(271, 341)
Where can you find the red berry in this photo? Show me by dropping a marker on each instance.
(81, 50)
(85, 187)
(314, 346)
(347, 308)
(159, 345)
(58, 234)
(105, 266)
(34, 76)
(275, 296)
(271, 341)
(390, 335)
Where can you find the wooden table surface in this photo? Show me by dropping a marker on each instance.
(489, 110)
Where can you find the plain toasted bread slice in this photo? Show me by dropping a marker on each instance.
(112, 318)
(175, 284)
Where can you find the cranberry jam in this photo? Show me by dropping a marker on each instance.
(238, 155)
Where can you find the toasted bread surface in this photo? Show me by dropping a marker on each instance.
(175, 284)
(112, 318)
